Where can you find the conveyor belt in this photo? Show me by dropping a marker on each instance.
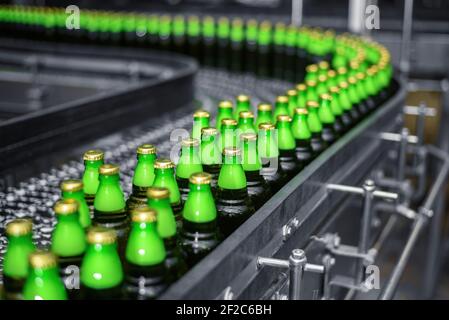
(36, 196)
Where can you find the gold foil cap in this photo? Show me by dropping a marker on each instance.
(71, 185)
(312, 68)
(43, 260)
(246, 115)
(242, 98)
(301, 111)
(248, 136)
(93, 155)
(209, 131)
(301, 87)
(266, 126)
(326, 96)
(284, 118)
(264, 107)
(229, 122)
(101, 235)
(190, 142)
(282, 99)
(201, 114)
(19, 227)
(164, 164)
(312, 104)
(231, 151)
(226, 104)
(109, 169)
(158, 193)
(200, 178)
(66, 207)
(143, 215)
(146, 149)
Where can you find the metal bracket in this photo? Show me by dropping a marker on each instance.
(297, 265)
(290, 228)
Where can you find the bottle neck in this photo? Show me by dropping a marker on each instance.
(267, 144)
(77, 195)
(146, 159)
(250, 157)
(286, 139)
(325, 113)
(232, 175)
(112, 180)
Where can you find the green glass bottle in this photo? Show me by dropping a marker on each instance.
(193, 39)
(179, 34)
(228, 133)
(258, 189)
(251, 36)
(159, 200)
(68, 242)
(110, 206)
(311, 94)
(189, 163)
(146, 275)
(209, 54)
(311, 72)
(287, 146)
(267, 146)
(327, 119)
(346, 105)
(246, 123)
(211, 155)
(292, 101)
(93, 159)
(281, 108)
(234, 206)
(368, 101)
(315, 127)
(73, 189)
(357, 108)
(101, 269)
(337, 110)
(165, 29)
(223, 42)
(199, 234)
(302, 95)
(15, 260)
(200, 121)
(265, 47)
(302, 135)
(143, 176)
(236, 45)
(243, 104)
(321, 87)
(43, 281)
(225, 110)
(264, 114)
(164, 170)
(331, 79)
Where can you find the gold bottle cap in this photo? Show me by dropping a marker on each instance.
(292, 93)
(229, 122)
(344, 85)
(266, 126)
(200, 178)
(326, 96)
(93, 155)
(311, 83)
(201, 114)
(101, 235)
(322, 78)
(158, 193)
(246, 115)
(71, 185)
(19, 227)
(301, 87)
(190, 142)
(301, 111)
(226, 104)
(164, 164)
(43, 260)
(352, 80)
(237, 22)
(342, 70)
(284, 118)
(143, 215)
(312, 68)
(146, 149)
(109, 169)
(335, 89)
(209, 131)
(66, 207)
(282, 99)
(324, 65)
(360, 76)
(242, 98)
(231, 151)
(264, 107)
(249, 136)
(312, 104)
